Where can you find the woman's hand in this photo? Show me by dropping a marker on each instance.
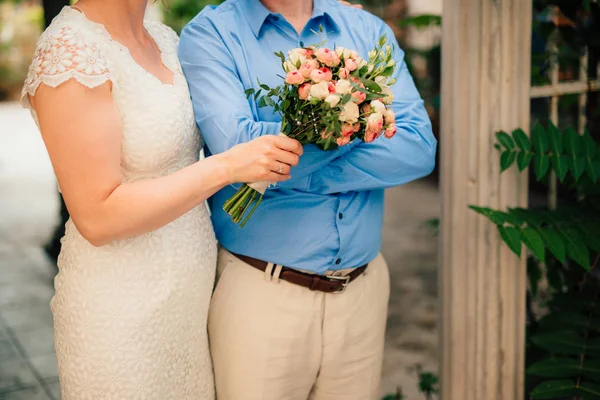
(347, 3)
(267, 158)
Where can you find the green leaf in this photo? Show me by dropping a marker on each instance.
(555, 139)
(569, 320)
(524, 159)
(577, 167)
(507, 158)
(555, 368)
(534, 242)
(560, 342)
(541, 163)
(589, 390)
(553, 389)
(497, 217)
(539, 138)
(572, 142)
(555, 244)
(505, 140)
(576, 248)
(593, 169)
(560, 165)
(521, 140)
(511, 237)
(589, 145)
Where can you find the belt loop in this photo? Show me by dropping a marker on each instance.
(268, 272)
(277, 273)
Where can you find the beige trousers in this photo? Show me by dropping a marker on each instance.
(272, 340)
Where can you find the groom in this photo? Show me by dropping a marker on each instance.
(300, 306)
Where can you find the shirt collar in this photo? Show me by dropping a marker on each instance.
(256, 14)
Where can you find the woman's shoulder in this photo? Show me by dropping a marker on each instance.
(68, 48)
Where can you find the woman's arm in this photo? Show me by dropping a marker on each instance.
(82, 132)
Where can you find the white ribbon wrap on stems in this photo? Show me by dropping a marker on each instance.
(261, 186)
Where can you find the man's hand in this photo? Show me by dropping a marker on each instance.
(347, 3)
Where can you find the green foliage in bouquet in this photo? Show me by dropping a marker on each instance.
(563, 340)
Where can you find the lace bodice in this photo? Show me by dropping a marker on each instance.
(159, 131)
(130, 317)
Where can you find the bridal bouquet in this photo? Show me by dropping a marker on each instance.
(328, 98)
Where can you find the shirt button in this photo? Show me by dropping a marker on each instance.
(275, 18)
(341, 215)
(338, 261)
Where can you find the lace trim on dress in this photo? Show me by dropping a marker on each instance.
(60, 56)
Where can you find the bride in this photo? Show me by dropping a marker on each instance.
(139, 254)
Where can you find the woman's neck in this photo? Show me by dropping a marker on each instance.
(296, 12)
(123, 18)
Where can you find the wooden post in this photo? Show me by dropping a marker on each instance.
(485, 88)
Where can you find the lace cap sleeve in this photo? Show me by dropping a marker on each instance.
(60, 55)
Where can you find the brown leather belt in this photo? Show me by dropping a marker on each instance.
(327, 284)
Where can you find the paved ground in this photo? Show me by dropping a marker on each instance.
(28, 213)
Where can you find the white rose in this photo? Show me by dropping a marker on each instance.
(289, 67)
(296, 56)
(343, 52)
(380, 80)
(343, 86)
(372, 54)
(389, 97)
(332, 100)
(361, 62)
(378, 106)
(349, 112)
(319, 90)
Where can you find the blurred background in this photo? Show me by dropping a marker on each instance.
(31, 221)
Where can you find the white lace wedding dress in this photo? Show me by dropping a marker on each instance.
(130, 317)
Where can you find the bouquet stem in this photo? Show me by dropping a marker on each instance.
(241, 202)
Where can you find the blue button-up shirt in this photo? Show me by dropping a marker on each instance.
(329, 215)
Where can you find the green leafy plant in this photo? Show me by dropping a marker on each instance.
(563, 336)
(428, 385)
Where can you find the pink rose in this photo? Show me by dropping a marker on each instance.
(389, 117)
(342, 141)
(353, 54)
(304, 91)
(306, 52)
(294, 78)
(390, 131)
(375, 123)
(366, 108)
(370, 136)
(348, 129)
(308, 67)
(321, 74)
(328, 57)
(351, 65)
(331, 87)
(359, 97)
(343, 73)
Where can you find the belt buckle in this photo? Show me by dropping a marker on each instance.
(345, 281)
